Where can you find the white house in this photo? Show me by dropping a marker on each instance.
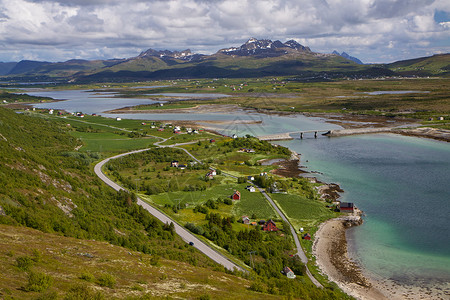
(288, 272)
(251, 188)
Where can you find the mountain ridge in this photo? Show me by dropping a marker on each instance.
(254, 58)
(347, 56)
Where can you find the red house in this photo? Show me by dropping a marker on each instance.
(306, 236)
(346, 206)
(270, 226)
(236, 195)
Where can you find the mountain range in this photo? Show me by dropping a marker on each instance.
(254, 58)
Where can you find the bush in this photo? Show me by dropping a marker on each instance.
(154, 261)
(87, 276)
(106, 280)
(24, 263)
(82, 292)
(38, 282)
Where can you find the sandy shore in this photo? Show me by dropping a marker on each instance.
(330, 250)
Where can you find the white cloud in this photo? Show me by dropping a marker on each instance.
(63, 29)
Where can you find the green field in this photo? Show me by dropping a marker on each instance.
(250, 203)
(301, 211)
(109, 142)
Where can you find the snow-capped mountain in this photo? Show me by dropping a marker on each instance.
(265, 48)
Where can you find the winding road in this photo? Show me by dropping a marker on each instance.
(181, 231)
(300, 253)
(185, 234)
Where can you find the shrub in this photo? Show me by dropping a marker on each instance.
(38, 282)
(154, 261)
(106, 280)
(24, 263)
(37, 256)
(87, 276)
(83, 292)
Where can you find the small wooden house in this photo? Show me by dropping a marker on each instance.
(346, 207)
(236, 195)
(288, 272)
(306, 236)
(270, 226)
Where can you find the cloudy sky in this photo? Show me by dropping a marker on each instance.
(372, 30)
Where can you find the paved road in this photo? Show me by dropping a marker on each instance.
(185, 234)
(300, 252)
(181, 231)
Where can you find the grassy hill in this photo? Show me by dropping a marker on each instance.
(436, 65)
(97, 270)
(46, 185)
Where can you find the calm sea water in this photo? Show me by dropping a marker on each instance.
(401, 183)
(403, 186)
(90, 102)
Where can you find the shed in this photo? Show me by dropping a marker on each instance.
(306, 236)
(236, 195)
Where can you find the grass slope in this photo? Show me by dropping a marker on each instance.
(102, 270)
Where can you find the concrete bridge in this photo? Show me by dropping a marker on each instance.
(329, 133)
(289, 135)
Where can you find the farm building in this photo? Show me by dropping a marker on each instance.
(270, 226)
(236, 195)
(211, 174)
(306, 236)
(245, 220)
(251, 188)
(174, 163)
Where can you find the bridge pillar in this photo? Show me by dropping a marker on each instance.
(315, 134)
(301, 135)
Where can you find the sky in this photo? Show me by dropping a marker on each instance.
(375, 31)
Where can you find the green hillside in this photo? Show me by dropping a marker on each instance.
(51, 201)
(46, 185)
(436, 65)
(71, 268)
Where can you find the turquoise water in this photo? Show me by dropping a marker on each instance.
(403, 186)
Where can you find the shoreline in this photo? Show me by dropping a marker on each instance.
(331, 251)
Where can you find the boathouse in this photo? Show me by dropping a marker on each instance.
(346, 207)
